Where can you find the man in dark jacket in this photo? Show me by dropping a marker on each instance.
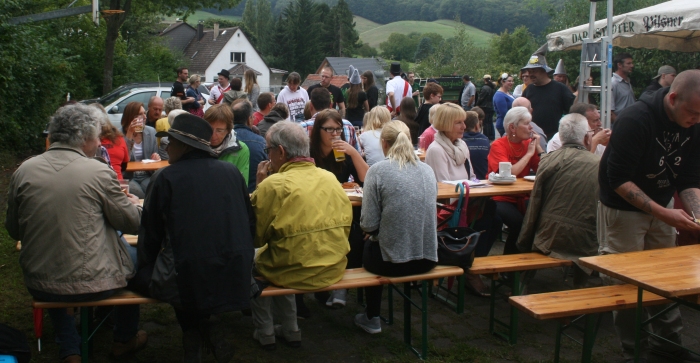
(664, 78)
(196, 236)
(653, 152)
(242, 122)
(485, 102)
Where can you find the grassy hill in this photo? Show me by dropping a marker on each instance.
(381, 33)
(362, 25)
(203, 15)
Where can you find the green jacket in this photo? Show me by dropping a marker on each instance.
(561, 217)
(238, 157)
(303, 223)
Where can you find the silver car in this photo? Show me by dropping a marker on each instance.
(115, 101)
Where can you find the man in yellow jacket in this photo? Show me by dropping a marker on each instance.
(303, 222)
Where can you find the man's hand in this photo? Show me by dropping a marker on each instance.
(211, 102)
(262, 172)
(133, 199)
(680, 219)
(600, 138)
(155, 157)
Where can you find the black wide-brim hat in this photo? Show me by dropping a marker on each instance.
(191, 130)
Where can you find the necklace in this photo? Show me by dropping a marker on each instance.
(516, 153)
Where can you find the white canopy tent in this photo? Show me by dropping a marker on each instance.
(672, 25)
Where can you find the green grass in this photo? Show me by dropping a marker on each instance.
(362, 25)
(446, 28)
(203, 15)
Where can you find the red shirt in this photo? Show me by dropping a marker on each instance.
(503, 150)
(118, 154)
(258, 117)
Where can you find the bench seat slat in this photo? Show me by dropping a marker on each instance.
(123, 297)
(562, 304)
(516, 262)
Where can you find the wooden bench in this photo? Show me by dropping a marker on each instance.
(493, 266)
(353, 278)
(568, 307)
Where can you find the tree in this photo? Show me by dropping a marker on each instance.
(425, 48)
(124, 11)
(345, 36)
(512, 48)
(297, 37)
(400, 46)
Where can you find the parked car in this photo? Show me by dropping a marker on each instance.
(115, 101)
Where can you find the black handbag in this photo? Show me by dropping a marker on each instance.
(456, 246)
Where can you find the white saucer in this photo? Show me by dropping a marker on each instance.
(501, 182)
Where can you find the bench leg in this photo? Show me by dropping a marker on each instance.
(557, 342)
(459, 305)
(460, 294)
(589, 333)
(517, 290)
(512, 336)
(424, 317)
(638, 324)
(492, 307)
(407, 313)
(84, 334)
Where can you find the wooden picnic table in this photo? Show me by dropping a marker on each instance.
(673, 273)
(139, 166)
(521, 186)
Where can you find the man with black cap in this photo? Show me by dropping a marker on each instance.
(550, 100)
(396, 89)
(196, 236)
(216, 95)
(664, 78)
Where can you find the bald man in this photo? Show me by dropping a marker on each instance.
(155, 110)
(653, 153)
(524, 102)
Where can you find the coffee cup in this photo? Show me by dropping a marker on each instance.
(504, 169)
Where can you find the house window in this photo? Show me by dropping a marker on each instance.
(237, 57)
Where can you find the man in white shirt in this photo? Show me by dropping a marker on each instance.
(396, 89)
(468, 93)
(216, 95)
(597, 137)
(622, 92)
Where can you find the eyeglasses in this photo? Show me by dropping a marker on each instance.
(268, 149)
(331, 130)
(220, 131)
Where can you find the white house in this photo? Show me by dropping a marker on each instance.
(209, 51)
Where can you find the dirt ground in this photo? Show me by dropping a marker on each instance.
(329, 335)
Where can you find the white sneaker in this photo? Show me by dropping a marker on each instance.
(337, 299)
(372, 326)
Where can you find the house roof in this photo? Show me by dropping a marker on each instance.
(313, 79)
(201, 53)
(175, 25)
(341, 65)
(240, 68)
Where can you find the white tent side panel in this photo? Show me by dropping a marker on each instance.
(673, 25)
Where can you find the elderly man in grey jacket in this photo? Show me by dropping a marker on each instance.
(66, 208)
(561, 218)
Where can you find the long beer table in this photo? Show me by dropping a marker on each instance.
(521, 186)
(673, 273)
(140, 166)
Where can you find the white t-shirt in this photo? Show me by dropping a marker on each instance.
(372, 146)
(294, 100)
(138, 151)
(397, 85)
(217, 91)
(555, 144)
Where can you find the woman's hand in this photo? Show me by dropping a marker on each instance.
(536, 140)
(263, 171)
(532, 146)
(132, 128)
(343, 146)
(155, 157)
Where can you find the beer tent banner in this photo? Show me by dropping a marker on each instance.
(673, 25)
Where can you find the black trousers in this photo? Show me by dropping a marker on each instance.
(488, 130)
(512, 218)
(375, 264)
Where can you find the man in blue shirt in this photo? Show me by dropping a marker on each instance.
(242, 119)
(478, 144)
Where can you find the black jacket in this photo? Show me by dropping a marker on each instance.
(272, 118)
(202, 206)
(650, 150)
(485, 99)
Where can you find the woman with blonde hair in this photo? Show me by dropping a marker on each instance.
(402, 240)
(252, 88)
(371, 136)
(197, 107)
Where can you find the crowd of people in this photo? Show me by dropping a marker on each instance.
(255, 189)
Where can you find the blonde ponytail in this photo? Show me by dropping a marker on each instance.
(396, 134)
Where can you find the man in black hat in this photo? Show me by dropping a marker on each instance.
(198, 220)
(396, 89)
(216, 95)
(178, 89)
(550, 100)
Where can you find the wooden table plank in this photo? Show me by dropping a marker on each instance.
(139, 166)
(669, 272)
(517, 262)
(521, 186)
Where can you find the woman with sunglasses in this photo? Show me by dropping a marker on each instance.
(326, 136)
(503, 100)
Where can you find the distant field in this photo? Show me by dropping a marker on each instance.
(203, 15)
(446, 28)
(362, 25)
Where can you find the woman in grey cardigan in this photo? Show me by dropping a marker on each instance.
(399, 193)
(141, 143)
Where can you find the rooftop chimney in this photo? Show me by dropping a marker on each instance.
(200, 31)
(216, 30)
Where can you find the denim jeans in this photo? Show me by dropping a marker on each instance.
(126, 319)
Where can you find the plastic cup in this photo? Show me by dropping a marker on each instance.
(124, 185)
